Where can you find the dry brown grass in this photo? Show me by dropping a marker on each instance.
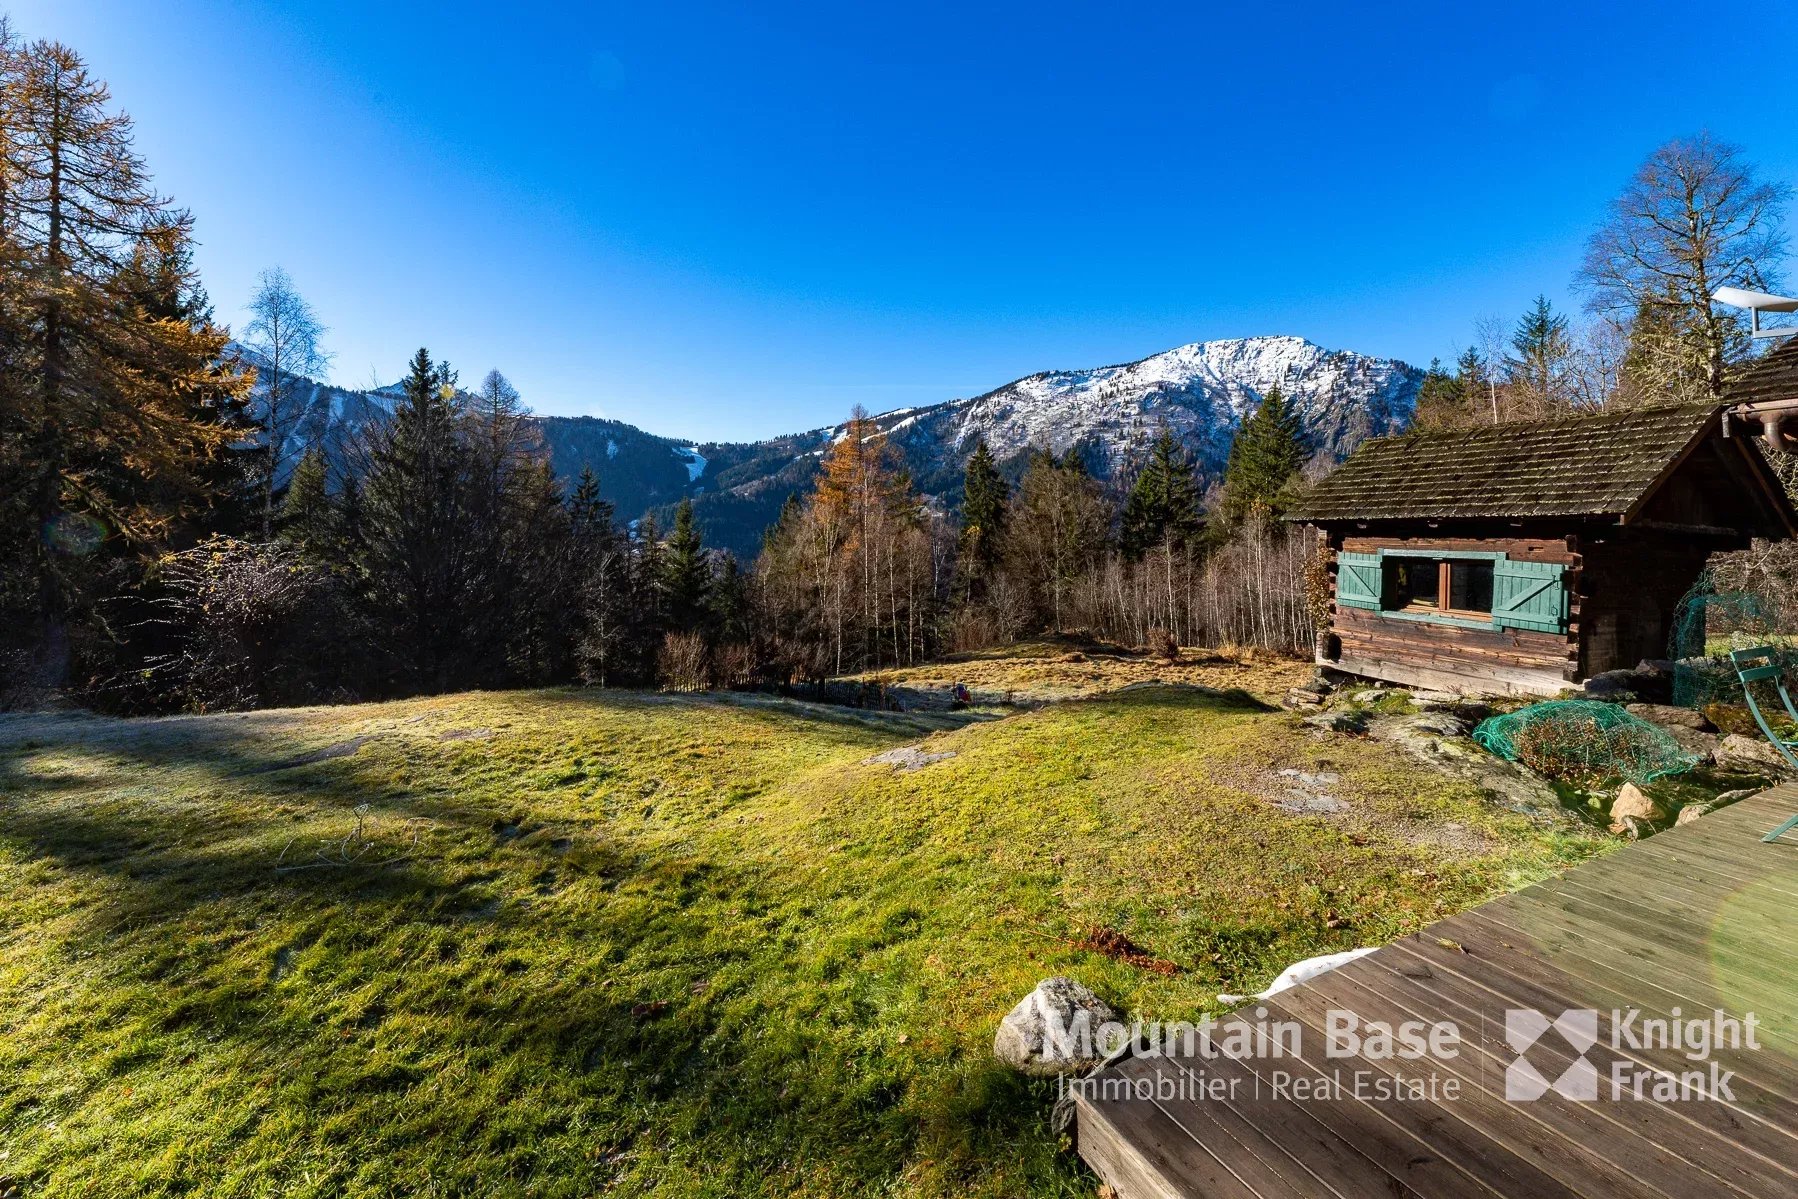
(1049, 671)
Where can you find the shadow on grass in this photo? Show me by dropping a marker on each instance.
(593, 1039)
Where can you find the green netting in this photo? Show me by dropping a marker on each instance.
(1584, 741)
(1707, 625)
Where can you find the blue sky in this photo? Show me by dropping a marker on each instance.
(736, 220)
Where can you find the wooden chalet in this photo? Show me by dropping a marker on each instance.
(1526, 558)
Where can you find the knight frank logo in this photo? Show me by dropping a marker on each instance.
(1576, 1028)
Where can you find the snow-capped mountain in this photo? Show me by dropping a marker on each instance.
(1200, 391)
(1108, 414)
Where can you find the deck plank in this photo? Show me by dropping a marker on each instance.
(1682, 923)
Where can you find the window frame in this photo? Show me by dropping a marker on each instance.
(1440, 615)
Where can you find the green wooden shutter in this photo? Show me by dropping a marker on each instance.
(1529, 595)
(1358, 580)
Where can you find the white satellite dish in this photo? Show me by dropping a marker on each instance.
(1757, 302)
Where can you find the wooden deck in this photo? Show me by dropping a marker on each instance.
(1692, 920)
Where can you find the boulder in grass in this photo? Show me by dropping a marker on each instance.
(1339, 722)
(1059, 1028)
(1633, 809)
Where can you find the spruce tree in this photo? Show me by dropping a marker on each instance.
(585, 507)
(1540, 352)
(1441, 400)
(984, 499)
(1162, 509)
(1265, 458)
(415, 529)
(1477, 387)
(686, 571)
(648, 596)
(729, 604)
(308, 517)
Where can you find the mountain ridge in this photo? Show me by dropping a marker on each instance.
(1107, 414)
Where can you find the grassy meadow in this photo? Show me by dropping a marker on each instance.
(570, 943)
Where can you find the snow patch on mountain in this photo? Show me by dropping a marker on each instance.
(1201, 391)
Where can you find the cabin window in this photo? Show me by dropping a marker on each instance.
(1442, 586)
(1478, 590)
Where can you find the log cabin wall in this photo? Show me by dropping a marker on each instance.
(1630, 587)
(1452, 658)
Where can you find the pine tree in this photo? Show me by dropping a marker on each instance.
(1265, 458)
(686, 571)
(1162, 509)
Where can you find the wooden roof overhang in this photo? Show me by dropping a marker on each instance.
(1767, 396)
(1558, 476)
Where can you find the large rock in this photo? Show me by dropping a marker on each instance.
(1693, 811)
(1624, 685)
(1352, 723)
(1059, 1028)
(1633, 807)
(1437, 724)
(1437, 740)
(1702, 746)
(1754, 753)
(1670, 717)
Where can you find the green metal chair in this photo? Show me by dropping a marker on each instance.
(1759, 665)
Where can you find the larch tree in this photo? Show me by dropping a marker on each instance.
(113, 347)
(1693, 218)
(284, 334)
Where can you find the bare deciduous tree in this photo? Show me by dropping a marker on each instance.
(1692, 219)
(284, 334)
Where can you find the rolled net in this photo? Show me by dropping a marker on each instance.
(1584, 741)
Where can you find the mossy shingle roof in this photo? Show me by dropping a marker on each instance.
(1577, 466)
(1774, 377)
